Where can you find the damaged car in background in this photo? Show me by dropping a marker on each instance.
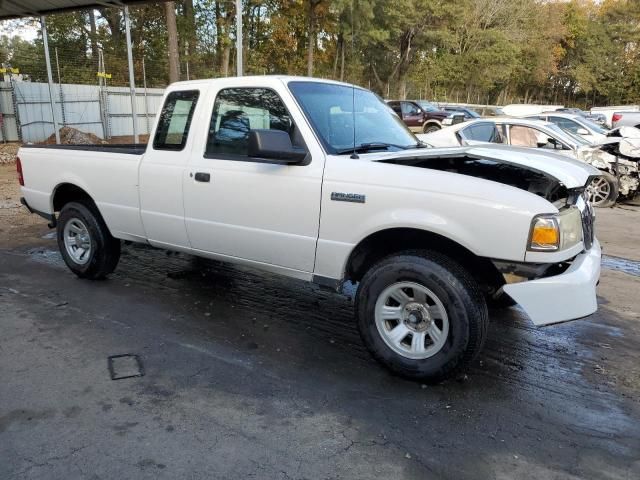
(619, 178)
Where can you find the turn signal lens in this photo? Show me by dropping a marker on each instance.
(545, 234)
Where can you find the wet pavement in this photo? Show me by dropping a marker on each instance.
(251, 375)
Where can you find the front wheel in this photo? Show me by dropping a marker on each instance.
(430, 128)
(421, 315)
(603, 190)
(85, 243)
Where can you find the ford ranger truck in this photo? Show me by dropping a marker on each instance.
(320, 181)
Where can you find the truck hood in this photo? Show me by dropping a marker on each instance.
(494, 161)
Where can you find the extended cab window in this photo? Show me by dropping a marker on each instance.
(236, 111)
(174, 121)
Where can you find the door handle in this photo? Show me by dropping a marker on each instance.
(202, 177)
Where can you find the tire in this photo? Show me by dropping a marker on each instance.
(465, 311)
(603, 190)
(93, 253)
(430, 128)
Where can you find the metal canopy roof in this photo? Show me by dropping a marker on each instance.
(31, 8)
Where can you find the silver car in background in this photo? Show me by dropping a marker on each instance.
(619, 177)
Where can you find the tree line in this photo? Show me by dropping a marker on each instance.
(578, 52)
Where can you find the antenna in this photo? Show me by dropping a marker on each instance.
(354, 155)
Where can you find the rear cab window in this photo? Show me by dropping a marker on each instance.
(175, 119)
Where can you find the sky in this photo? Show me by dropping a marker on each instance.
(28, 30)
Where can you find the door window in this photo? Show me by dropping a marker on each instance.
(483, 132)
(522, 136)
(409, 108)
(175, 119)
(237, 111)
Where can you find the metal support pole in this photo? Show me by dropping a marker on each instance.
(64, 116)
(146, 102)
(132, 82)
(49, 78)
(239, 37)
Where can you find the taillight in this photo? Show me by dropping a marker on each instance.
(19, 169)
(616, 117)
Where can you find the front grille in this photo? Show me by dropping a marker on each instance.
(587, 226)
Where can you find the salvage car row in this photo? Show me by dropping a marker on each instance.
(616, 153)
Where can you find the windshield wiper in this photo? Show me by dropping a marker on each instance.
(367, 147)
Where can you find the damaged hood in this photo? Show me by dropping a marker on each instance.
(567, 171)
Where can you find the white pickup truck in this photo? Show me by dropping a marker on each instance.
(320, 181)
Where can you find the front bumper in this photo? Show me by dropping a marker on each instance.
(568, 296)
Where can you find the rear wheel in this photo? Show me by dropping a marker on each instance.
(85, 243)
(603, 190)
(421, 315)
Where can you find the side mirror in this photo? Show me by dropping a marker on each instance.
(274, 145)
(582, 131)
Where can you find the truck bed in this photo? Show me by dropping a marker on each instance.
(126, 148)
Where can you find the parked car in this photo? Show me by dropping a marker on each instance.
(469, 113)
(625, 119)
(619, 176)
(598, 118)
(575, 124)
(239, 169)
(488, 111)
(609, 111)
(421, 116)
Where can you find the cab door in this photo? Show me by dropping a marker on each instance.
(411, 115)
(246, 208)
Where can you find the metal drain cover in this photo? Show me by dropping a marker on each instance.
(125, 366)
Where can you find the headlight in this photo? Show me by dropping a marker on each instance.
(447, 121)
(556, 232)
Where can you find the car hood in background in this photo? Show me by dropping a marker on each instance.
(569, 172)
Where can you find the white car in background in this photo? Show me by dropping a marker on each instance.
(575, 124)
(531, 133)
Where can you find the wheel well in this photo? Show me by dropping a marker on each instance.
(67, 192)
(435, 123)
(387, 242)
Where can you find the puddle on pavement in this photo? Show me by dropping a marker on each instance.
(45, 255)
(624, 265)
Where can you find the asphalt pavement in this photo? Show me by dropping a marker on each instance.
(251, 375)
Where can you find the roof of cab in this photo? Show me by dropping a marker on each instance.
(255, 79)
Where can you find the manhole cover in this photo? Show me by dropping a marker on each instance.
(125, 366)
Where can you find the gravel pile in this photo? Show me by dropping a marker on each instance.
(8, 152)
(73, 136)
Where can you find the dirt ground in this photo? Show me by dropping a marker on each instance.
(251, 375)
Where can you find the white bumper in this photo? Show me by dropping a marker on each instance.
(563, 297)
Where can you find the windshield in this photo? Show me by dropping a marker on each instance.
(427, 106)
(567, 136)
(329, 109)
